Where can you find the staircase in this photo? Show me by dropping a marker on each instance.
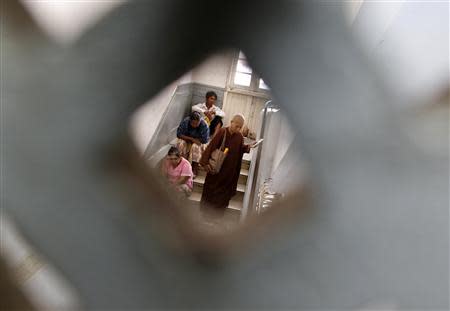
(233, 212)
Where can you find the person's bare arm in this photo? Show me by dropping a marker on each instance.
(196, 141)
(209, 115)
(190, 139)
(182, 180)
(186, 138)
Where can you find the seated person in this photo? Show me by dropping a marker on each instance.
(215, 126)
(193, 134)
(178, 171)
(208, 109)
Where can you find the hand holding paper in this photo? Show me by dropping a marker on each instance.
(256, 144)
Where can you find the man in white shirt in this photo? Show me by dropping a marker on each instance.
(208, 109)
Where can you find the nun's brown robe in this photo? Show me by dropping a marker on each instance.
(221, 187)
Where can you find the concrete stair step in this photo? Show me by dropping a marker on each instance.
(246, 160)
(242, 179)
(245, 164)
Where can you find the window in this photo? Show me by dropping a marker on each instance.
(244, 77)
(263, 85)
(243, 74)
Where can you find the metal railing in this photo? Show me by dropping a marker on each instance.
(266, 197)
(251, 193)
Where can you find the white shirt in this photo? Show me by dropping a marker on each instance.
(216, 111)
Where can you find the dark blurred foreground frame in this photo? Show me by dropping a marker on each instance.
(12, 297)
(379, 231)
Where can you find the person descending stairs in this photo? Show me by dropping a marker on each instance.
(233, 211)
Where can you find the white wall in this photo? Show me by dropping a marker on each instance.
(285, 136)
(214, 71)
(145, 120)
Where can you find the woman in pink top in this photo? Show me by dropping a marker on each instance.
(178, 171)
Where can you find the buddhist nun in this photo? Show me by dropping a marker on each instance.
(220, 187)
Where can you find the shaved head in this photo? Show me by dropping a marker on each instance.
(237, 122)
(238, 118)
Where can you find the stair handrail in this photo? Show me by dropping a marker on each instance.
(249, 201)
